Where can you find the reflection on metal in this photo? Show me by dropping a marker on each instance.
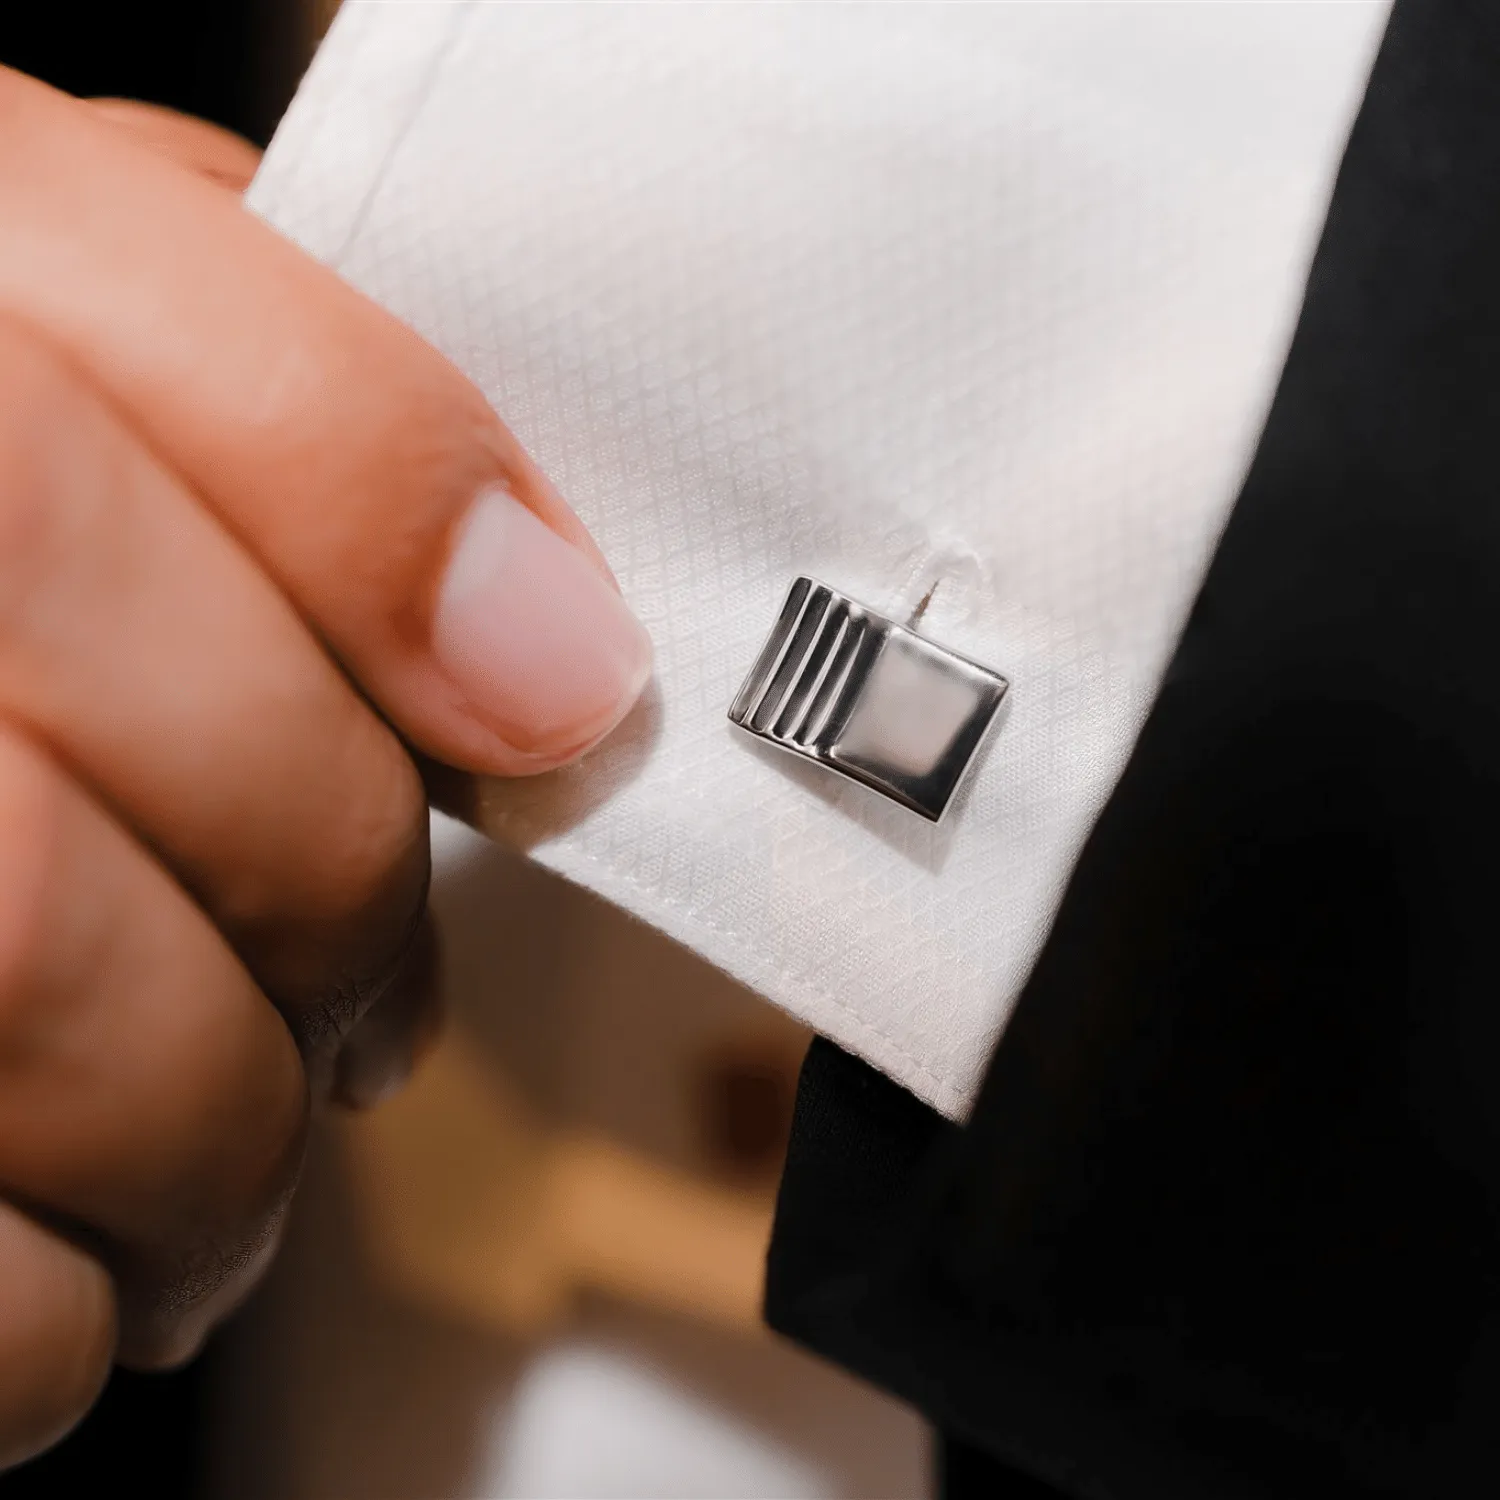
(845, 687)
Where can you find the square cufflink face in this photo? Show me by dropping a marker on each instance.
(845, 687)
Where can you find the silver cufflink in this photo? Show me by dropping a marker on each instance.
(845, 687)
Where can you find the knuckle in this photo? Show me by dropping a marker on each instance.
(231, 1147)
(175, 1293)
(281, 1114)
(378, 877)
(171, 1303)
(383, 838)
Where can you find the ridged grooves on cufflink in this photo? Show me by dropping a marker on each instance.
(867, 698)
(797, 691)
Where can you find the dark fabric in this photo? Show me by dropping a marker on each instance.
(232, 61)
(964, 1472)
(860, 1148)
(148, 1435)
(1226, 1219)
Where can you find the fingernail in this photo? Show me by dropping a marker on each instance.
(545, 650)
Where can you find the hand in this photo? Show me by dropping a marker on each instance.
(254, 535)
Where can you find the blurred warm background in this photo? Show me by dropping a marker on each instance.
(537, 1272)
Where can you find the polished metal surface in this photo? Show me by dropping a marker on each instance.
(845, 687)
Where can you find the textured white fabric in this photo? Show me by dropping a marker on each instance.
(991, 297)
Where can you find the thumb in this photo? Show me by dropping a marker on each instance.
(364, 472)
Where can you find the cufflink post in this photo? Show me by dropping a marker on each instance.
(920, 607)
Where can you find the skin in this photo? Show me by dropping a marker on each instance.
(229, 488)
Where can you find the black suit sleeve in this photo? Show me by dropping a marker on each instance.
(1226, 1219)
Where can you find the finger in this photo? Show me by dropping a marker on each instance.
(397, 1031)
(367, 474)
(148, 1093)
(150, 654)
(57, 1335)
(210, 150)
